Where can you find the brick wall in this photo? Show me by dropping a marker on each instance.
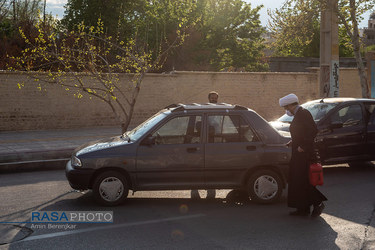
(350, 85)
(55, 108)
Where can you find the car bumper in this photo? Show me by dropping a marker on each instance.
(78, 178)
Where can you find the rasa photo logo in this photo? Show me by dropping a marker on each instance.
(72, 216)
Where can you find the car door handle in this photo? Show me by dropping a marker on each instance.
(192, 150)
(251, 148)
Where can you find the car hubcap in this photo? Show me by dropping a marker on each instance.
(265, 187)
(111, 189)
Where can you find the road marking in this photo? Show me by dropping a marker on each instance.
(85, 230)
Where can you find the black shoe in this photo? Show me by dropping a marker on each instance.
(317, 210)
(300, 213)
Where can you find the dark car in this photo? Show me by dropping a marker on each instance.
(346, 129)
(196, 146)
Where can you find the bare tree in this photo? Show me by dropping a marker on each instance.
(25, 10)
(349, 16)
(4, 9)
(88, 62)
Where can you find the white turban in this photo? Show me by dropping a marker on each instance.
(288, 99)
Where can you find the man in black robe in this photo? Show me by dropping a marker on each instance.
(301, 194)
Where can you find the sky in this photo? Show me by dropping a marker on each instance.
(56, 7)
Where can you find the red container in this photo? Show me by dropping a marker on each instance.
(316, 174)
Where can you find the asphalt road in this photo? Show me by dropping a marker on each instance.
(171, 220)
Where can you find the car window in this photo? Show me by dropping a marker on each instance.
(348, 116)
(145, 126)
(229, 128)
(317, 109)
(180, 130)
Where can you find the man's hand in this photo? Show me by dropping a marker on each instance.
(300, 149)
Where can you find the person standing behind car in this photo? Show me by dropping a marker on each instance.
(301, 194)
(213, 97)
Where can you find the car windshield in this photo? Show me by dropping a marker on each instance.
(317, 109)
(144, 127)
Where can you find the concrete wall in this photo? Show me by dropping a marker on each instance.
(55, 108)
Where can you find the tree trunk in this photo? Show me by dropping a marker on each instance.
(124, 126)
(362, 75)
(136, 90)
(14, 12)
(356, 47)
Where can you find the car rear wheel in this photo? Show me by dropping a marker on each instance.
(264, 186)
(110, 188)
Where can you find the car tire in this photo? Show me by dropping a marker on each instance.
(110, 188)
(264, 186)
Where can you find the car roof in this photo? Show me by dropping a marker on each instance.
(205, 106)
(341, 100)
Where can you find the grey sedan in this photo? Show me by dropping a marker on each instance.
(182, 147)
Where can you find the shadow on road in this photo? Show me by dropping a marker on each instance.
(247, 224)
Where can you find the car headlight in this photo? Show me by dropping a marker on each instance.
(76, 162)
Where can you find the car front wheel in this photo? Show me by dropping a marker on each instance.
(110, 188)
(264, 186)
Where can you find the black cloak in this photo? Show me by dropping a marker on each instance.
(301, 194)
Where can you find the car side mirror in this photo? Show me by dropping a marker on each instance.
(336, 125)
(149, 141)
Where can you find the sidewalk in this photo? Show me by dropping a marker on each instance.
(49, 149)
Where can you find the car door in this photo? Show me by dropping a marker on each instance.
(231, 149)
(370, 140)
(344, 138)
(176, 157)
